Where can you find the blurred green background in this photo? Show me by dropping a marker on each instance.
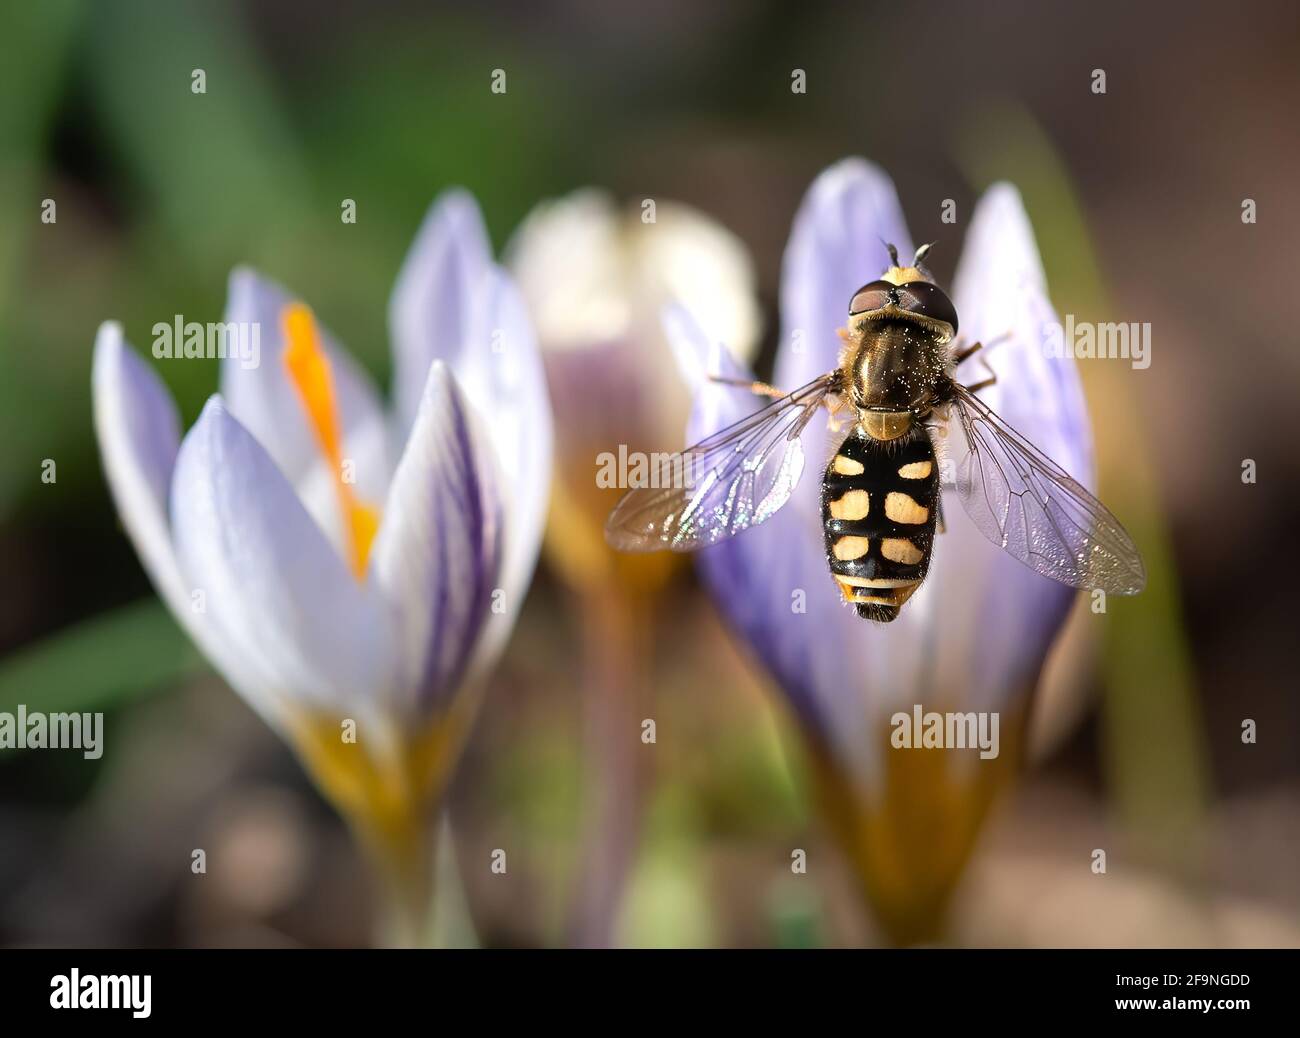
(1136, 197)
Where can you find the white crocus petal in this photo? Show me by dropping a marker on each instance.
(139, 436)
(431, 307)
(570, 260)
(265, 401)
(276, 591)
(687, 257)
(594, 274)
(438, 550)
(596, 277)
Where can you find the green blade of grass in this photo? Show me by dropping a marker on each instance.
(100, 663)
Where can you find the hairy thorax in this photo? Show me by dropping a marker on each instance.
(893, 368)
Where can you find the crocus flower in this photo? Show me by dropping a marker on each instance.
(351, 571)
(975, 636)
(596, 276)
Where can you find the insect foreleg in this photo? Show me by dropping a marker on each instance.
(961, 354)
(975, 387)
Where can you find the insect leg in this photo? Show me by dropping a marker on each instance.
(761, 388)
(840, 414)
(960, 355)
(990, 381)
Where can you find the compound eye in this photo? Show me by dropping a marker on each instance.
(921, 297)
(871, 297)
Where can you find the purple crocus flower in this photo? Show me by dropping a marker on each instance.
(975, 636)
(349, 570)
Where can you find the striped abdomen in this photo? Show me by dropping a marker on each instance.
(879, 508)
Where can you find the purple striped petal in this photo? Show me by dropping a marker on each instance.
(504, 380)
(453, 304)
(439, 549)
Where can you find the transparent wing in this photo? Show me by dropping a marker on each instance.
(1029, 506)
(735, 479)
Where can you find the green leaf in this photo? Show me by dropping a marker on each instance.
(101, 663)
(37, 39)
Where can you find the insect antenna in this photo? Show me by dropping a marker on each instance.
(919, 259)
(893, 251)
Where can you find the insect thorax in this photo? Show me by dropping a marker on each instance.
(893, 365)
(879, 507)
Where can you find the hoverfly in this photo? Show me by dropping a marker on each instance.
(896, 380)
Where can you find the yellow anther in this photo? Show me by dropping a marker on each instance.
(309, 370)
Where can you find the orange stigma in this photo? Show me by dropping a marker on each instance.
(309, 371)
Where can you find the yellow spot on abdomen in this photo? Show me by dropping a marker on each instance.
(900, 549)
(853, 505)
(915, 470)
(903, 509)
(309, 370)
(849, 548)
(847, 466)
